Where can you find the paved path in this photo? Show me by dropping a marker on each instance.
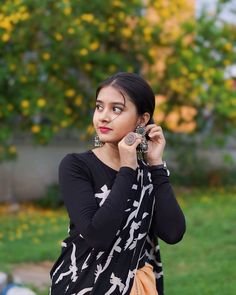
(32, 273)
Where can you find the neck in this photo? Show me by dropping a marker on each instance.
(111, 151)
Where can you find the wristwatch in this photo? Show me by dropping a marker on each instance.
(162, 166)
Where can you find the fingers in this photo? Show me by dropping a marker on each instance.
(131, 140)
(152, 127)
(155, 133)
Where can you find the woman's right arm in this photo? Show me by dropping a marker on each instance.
(97, 225)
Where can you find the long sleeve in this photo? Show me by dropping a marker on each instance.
(97, 225)
(168, 221)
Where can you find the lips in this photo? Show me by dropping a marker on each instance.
(104, 129)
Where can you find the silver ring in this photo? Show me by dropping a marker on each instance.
(130, 138)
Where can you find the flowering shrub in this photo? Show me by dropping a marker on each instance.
(54, 54)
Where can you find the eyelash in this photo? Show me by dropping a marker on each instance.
(98, 105)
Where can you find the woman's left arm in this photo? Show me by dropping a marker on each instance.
(169, 221)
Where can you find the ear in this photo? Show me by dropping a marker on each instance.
(143, 119)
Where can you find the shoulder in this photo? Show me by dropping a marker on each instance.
(75, 163)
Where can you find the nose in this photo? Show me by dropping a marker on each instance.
(104, 116)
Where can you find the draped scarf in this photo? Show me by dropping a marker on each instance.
(85, 270)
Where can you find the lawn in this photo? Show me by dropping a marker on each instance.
(202, 263)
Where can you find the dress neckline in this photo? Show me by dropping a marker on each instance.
(90, 151)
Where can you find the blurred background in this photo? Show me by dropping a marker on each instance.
(53, 54)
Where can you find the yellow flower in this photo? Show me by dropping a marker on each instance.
(112, 68)
(229, 84)
(23, 8)
(55, 128)
(12, 67)
(77, 21)
(70, 93)
(25, 104)
(71, 31)
(192, 76)
(31, 68)
(83, 51)
(5, 37)
(111, 21)
(121, 15)
(88, 67)
(147, 31)
(117, 3)
(41, 102)
(227, 62)
(46, 56)
(64, 123)
(90, 129)
(78, 100)
(68, 111)
(126, 32)
(101, 27)
(152, 52)
(67, 11)
(130, 69)
(6, 24)
(25, 16)
(228, 46)
(111, 28)
(165, 13)
(58, 36)
(12, 149)
(35, 128)
(199, 67)
(184, 70)
(88, 17)
(95, 45)
(10, 107)
(23, 79)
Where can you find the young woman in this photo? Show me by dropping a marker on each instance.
(119, 199)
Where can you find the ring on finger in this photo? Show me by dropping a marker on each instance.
(130, 138)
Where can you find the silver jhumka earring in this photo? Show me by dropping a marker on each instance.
(143, 146)
(97, 141)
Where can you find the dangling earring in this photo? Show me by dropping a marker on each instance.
(97, 141)
(143, 146)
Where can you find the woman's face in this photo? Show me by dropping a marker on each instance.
(110, 112)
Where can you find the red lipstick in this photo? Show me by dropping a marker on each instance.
(104, 129)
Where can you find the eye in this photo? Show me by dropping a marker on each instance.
(117, 109)
(98, 106)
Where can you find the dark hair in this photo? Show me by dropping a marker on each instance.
(137, 89)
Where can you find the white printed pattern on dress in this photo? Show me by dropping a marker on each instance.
(72, 268)
(103, 195)
(115, 282)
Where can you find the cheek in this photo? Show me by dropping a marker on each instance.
(94, 118)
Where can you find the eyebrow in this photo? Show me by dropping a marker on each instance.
(114, 102)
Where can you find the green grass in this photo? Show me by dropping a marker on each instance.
(32, 235)
(202, 263)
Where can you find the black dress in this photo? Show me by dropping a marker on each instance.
(115, 220)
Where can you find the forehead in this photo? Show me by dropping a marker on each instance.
(110, 94)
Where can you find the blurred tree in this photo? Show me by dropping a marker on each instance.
(53, 54)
